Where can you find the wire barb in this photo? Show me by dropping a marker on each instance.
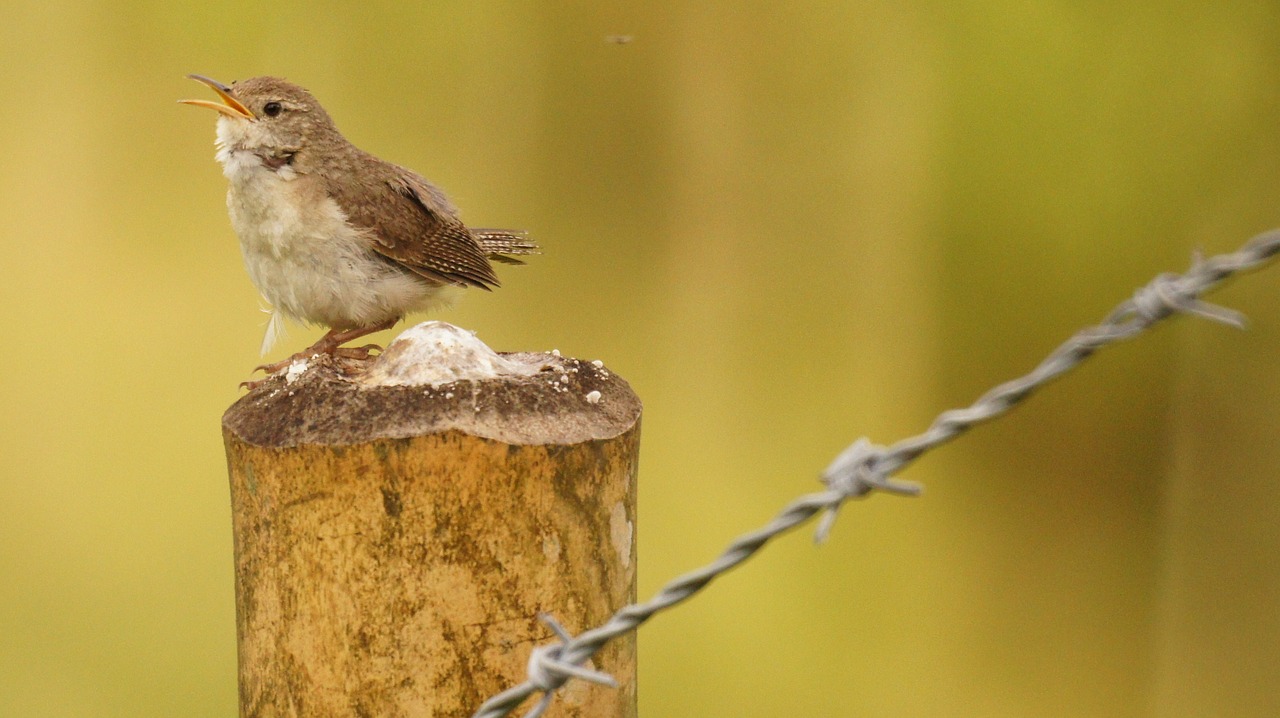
(1169, 293)
(548, 670)
(855, 473)
(864, 467)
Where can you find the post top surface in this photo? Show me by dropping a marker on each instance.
(561, 400)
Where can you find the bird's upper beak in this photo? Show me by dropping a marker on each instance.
(232, 108)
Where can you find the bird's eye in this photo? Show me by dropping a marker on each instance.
(271, 109)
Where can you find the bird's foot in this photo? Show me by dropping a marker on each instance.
(354, 360)
(357, 353)
(348, 360)
(274, 368)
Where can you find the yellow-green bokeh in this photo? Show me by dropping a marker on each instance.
(787, 225)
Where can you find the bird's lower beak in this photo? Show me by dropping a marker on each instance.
(232, 108)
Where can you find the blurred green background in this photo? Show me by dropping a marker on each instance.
(787, 226)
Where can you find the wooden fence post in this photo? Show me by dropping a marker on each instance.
(395, 541)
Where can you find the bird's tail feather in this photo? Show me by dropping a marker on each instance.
(504, 245)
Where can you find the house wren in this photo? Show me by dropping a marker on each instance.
(331, 234)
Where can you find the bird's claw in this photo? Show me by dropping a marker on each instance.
(275, 367)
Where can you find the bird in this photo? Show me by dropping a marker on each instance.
(332, 235)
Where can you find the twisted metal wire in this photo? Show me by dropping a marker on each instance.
(864, 467)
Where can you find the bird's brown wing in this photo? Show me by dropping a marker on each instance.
(412, 223)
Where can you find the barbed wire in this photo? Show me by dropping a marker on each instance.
(864, 467)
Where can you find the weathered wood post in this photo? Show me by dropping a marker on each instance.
(395, 540)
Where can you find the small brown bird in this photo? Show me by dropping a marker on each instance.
(331, 234)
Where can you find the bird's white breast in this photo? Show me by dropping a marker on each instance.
(301, 252)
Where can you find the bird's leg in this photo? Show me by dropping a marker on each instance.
(331, 344)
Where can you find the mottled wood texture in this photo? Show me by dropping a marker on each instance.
(394, 545)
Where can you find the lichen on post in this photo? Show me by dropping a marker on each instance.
(398, 533)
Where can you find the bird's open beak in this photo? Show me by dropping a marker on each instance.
(232, 108)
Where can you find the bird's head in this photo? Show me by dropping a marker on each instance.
(268, 114)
